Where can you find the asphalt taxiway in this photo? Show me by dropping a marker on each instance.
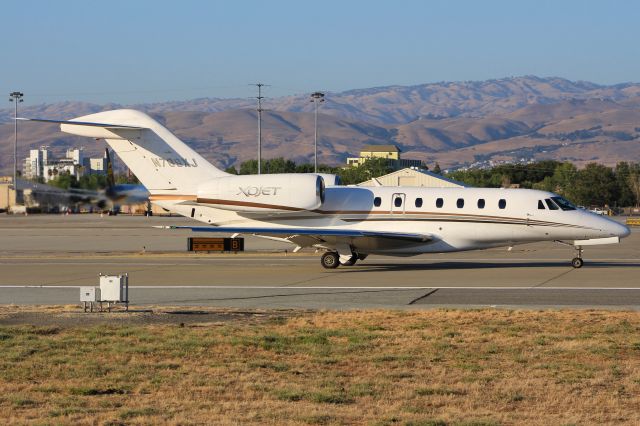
(44, 259)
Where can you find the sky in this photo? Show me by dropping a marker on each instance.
(141, 51)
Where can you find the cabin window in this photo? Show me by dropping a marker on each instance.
(541, 205)
(418, 202)
(563, 204)
(460, 203)
(502, 203)
(397, 202)
(481, 203)
(551, 204)
(377, 201)
(439, 203)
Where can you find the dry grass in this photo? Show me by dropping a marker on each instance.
(379, 367)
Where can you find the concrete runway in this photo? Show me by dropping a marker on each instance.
(44, 259)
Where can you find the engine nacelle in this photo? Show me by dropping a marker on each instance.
(330, 179)
(277, 193)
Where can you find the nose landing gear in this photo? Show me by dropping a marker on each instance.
(577, 262)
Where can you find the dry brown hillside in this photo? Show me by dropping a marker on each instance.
(453, 123)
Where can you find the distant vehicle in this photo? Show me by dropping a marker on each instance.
(348, 223)
(598, 210)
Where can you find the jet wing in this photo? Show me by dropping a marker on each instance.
(315, 233)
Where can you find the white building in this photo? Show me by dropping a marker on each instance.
(75, 155)
(97, 165)
(40, 164)
(58, 167)
(34, 163)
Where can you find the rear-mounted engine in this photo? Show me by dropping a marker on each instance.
(277, 193)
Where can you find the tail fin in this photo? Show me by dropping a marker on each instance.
(161, 161)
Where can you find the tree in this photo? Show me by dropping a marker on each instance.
(64, 180)
(92, 182)
(373, 167)
(308, 168)
(126, 178)
(249, 167)
(634, 182)
(564, 181)
(436, 169)
(280, 165)
(596, 185)
(376, 167)
(274, 165)
(625, 186)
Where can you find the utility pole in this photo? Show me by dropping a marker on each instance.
(15, 97)
(260, 98)
(316, 98)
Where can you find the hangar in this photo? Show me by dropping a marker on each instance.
(413, 176)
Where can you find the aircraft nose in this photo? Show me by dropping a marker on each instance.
(624, 231)
(617, 229)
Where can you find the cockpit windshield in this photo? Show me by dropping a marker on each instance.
(563, 203)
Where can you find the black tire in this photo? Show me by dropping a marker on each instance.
(330, 260)
(577, 262)
(352, 261)
(362, 256)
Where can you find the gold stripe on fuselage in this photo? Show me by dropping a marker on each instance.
(365, 215)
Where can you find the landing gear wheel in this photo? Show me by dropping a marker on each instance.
(330, 260)
(352, 261)
(577, 262)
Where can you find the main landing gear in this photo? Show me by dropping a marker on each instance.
(332, 259)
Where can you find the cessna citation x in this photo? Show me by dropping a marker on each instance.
(349, 223)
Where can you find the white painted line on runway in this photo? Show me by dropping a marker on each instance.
(279, 262)
(230, 287)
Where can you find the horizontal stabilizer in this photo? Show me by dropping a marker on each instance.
(83, 123)
(319, 232)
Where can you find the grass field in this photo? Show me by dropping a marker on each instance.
(437, 367)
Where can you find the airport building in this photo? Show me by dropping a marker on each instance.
(7, 193)
(413, 176)
(41, 164)
(391, 152)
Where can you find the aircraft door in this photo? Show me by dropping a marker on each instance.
(398, 202)
(538, 211)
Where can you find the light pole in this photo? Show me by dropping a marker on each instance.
(15, 97)
(259, 109)
(316, 98)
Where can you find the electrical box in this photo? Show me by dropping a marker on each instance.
(89, 294)
(114, 288)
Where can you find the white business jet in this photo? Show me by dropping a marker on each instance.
(347, 222)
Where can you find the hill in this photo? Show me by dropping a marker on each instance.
(453, 123)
